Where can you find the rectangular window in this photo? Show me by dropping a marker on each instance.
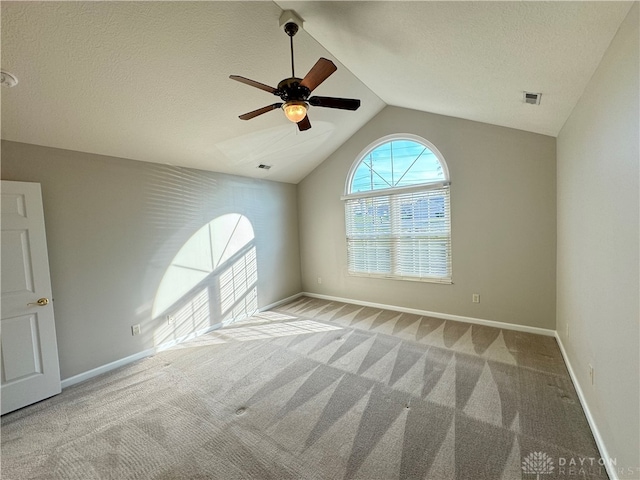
(405, 235)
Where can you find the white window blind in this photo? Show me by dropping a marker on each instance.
(400, 234)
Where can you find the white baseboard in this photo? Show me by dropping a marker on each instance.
(281, 302)
(81, 377)
(604, 453)
(445, 316)
(184, 338)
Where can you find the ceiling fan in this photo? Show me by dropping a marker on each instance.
(294, 92)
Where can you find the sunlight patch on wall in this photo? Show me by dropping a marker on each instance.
(206, 250)
(194, 315)
(212, 281)
(238, 290)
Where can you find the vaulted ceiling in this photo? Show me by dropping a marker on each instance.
(149, 80)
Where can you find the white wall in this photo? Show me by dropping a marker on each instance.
(115, 225)
(598, 245)
(503, 206)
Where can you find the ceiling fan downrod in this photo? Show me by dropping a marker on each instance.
(291, 29)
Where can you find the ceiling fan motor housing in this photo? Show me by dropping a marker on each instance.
(290, 89)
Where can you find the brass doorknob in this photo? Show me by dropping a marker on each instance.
(41, 302)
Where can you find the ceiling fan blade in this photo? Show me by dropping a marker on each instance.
(318, 74)
(253, 83)
(260, 111)
(304, 124)
(332, 102)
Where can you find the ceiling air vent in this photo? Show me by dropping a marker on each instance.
(264, 167)
(532, 98)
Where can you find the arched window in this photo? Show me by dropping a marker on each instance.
(398, 218)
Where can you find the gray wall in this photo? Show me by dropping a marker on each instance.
(503, 206)
(598, 245)
(113, 228)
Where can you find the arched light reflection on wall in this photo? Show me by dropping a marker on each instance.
(212, 280)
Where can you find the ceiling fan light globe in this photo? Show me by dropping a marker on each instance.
(295, 111)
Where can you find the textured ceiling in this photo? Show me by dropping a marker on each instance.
(470, 60)
(149, 80)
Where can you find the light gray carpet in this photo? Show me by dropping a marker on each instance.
(317, 390)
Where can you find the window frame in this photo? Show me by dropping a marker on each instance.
(392, 192)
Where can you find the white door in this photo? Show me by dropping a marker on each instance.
(29, 358)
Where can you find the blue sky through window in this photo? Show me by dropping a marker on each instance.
(398, 163)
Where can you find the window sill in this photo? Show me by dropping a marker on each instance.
(441, 281)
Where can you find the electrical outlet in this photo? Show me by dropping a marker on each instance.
(135, 329)
(319, 280)
(566, 333)
(170, 319)
(591, 375)
(475, 298)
